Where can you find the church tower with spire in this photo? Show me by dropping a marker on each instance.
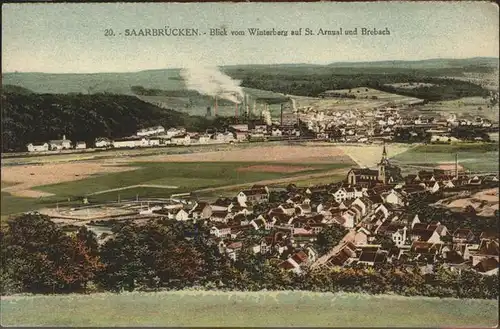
(382, 166)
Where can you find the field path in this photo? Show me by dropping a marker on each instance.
(134, 186)
(275, 181)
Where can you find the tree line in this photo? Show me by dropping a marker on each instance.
(315, 84)
(38, 257)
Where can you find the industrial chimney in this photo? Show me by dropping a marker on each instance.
(281, 115)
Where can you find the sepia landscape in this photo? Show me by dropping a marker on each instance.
(346, 193)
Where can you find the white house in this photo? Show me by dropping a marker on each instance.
(204, 139)
(153, 141)
(362, 205)
(171, 132)
(224, 137)
(393, 197)
(37, 147)
(182, 215)
(184, 139)
(443, 139)
(130, 142)
(102, 142)
(349, 217)
(352, 193)
(221, 231)
(60, 144)
(151, 131)
(340, 195)
(433, 188)
(252, 196)
(399, 237)
(80, 145)
(122, 143)
(276, 132)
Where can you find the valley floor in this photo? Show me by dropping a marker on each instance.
(199, 308)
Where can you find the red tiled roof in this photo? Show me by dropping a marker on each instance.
(486, 265)
(300, 257)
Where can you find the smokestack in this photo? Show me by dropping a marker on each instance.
(245, 102)
(456, 165)
(281, 115)
(236, 110)
(215, 108)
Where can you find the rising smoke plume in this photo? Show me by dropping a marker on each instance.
(212, 82)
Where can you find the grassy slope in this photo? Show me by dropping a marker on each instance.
(246, 309)
(472, 156)
(189, 175)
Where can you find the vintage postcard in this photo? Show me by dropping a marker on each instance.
(250, 164)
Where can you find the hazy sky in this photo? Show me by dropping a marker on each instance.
(70, 37)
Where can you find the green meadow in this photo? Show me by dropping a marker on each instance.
(472, 156)
(208, 309)
(186, 176)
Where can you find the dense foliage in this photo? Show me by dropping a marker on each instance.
(329, 238)
(163, 254)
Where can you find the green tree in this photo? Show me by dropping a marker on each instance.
(38, 257)
(330, 237)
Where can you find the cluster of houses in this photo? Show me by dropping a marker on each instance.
(56, 145)
(284, 223)
(288, 229)
(148, 137)
(261, 132)
(365, 125)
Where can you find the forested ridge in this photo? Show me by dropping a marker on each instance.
(41, 117)
(314, 84)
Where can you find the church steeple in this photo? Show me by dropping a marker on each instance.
(381, 167)
(384, 155)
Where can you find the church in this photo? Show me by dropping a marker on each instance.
(386, 173)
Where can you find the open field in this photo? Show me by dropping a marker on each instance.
(186, 176)
(158, 179)
(270, 153)
(26, 177)
(369, 155)
(41, 181)
(471, 156)
(274, 168)
(468, 107)
(366, 99)
(198, 308)
(410, 85)
(27, 158)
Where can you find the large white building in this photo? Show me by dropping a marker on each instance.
(151, 131)
(37, 147)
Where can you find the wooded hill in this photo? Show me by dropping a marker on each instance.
(41, 117)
